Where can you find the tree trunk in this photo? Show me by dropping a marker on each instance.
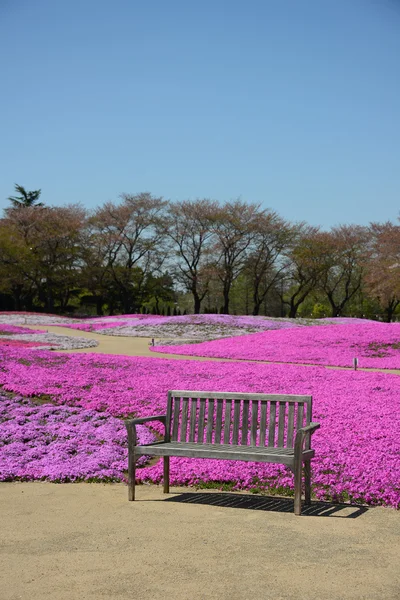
(225, 308)
(197, 303)
(99, 306)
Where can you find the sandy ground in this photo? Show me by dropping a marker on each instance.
(86, 541)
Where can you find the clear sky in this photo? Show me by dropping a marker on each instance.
(293, 104)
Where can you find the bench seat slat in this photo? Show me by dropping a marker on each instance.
(281, 422)
(185, 405)
(254, 423)
(210, 421)
(289, 438)
(200, 433)
(218, 424)
(236, 416)
(222, 451)
(175, 427)
(227, 424)
(245, 422)
(192, 420)
(272, 424)
(263, 422)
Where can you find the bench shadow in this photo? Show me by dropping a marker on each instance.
(269, 504)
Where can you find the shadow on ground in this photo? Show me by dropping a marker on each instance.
(269, 504)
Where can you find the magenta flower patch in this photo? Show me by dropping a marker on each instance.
(374, 344)
(357, 447)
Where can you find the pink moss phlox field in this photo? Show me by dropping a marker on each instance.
(14, 329)
(357, 447)
(375, 345)
(57, 443)
(7, 333)
(20, 343)
(108, 322)
(136, 320)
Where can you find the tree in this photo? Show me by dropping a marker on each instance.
(47, 246)
(25, 199)
(234, 227)
(189, 226)
(343, 253)
(382, 277)
(304, 267)
(131, 234)
(266, 262)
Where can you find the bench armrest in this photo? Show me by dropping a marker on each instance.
(131, 427)
(309, 428)
(301, 435)
(141, 420)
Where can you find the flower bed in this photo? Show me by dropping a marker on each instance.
(6, 342)
(13, 335)
(375, 344)
(357, 446)
(189, 327)
(7, 330)
(59, 444)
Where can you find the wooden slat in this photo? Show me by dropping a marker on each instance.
(202, 411)
(218, 423)
(289, 437)
(169, 417)
(281, 423)
(227, 424)
(307, 444)
(254, 422)
(184, 419)
(192, 420)
(236, 417)
(271, 424)
(210, 420)
(175, 427)
(300, 414)
(240, 396)
(228, 452)
(309, 412)
(245, 422)
(263, 422)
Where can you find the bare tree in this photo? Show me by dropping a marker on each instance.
(132, 234)
(304, 268)
(189, 226)
(234, 228)
(343, 252)
(382, 277)
(266, 262)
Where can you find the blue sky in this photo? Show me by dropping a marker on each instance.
(294, 105)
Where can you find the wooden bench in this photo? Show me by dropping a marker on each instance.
(266, 428)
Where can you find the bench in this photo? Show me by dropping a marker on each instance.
(270, 428)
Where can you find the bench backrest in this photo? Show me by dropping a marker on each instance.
(236, 418)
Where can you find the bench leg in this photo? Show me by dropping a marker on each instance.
(131, 475)
(166, 474)
(307, 482)
(297, 487)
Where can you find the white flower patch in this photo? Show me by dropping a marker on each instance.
(189, 331)
(53, 341)
(35, 319)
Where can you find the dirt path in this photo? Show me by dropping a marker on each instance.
(87, 542)
(140, 346)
